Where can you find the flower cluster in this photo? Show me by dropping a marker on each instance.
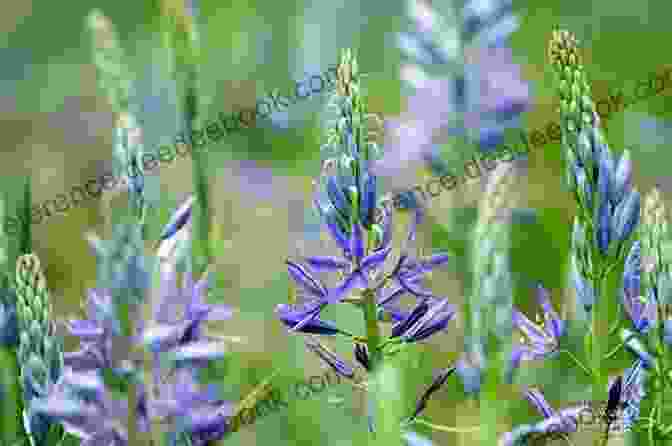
(607, 220)
(463, 79)
(88, 406)
(368, 277)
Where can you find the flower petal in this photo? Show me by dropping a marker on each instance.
(200, 351)
(375, 259)
(356, 242)
(327, 263)
(302, 277)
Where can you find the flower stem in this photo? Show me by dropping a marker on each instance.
(10, 426)
(373, 337)
(600, 336)
(373, 342)
(578, 362)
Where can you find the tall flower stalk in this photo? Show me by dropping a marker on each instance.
(11, 429)
(115, 81)
(181, 35)
(461, 75)
(359, 223)
(40, 352)
(647, 294)
(608, 206)
(491, 300)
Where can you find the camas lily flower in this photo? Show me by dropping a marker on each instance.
(642, 312)
(94, 333)
(179, 331)
(9, 330)
(86, 409)
(304, 319)
(356, 270)
(542, 338)
(554, 422)
(427, 318)
(474, 87)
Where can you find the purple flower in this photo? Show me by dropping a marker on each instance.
(306, 319)
(626, 216)
(9, 329)
(88, 410)
(634, 384)
(427, 318)
(80, 402)
(179, 218)
(554, 422)
(190, 409)
(642, 312)
(95, 334)
(356, 268)
(489, 93)
(408, 273)
(541, 338)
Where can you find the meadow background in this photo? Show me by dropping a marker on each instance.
(56, 127)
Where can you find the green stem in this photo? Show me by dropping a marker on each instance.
(373, 336)
(578, 362)
(373, 342)
(10, 402)
(600, 337)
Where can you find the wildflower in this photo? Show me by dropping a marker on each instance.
(642, 312)
(305, 319)
(427, 318)
(542, 337)
(478, 92)
(178, 220)
(635, 378)
(175, 332)
(359, 269)
(181, 332)
(40, 352)
(80, 402)
(9, 332)
(554, 422)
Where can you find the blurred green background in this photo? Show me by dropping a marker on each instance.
(57, 128)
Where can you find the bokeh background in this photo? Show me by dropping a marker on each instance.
(57, 128)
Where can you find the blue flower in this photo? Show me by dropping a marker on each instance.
(542, 339)
(88, 409)
(354, 266)
(554, 422)
(305, 320)
(642, 312)
(480, 83)
(9, 329)
(179, 218)
(427, 318)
